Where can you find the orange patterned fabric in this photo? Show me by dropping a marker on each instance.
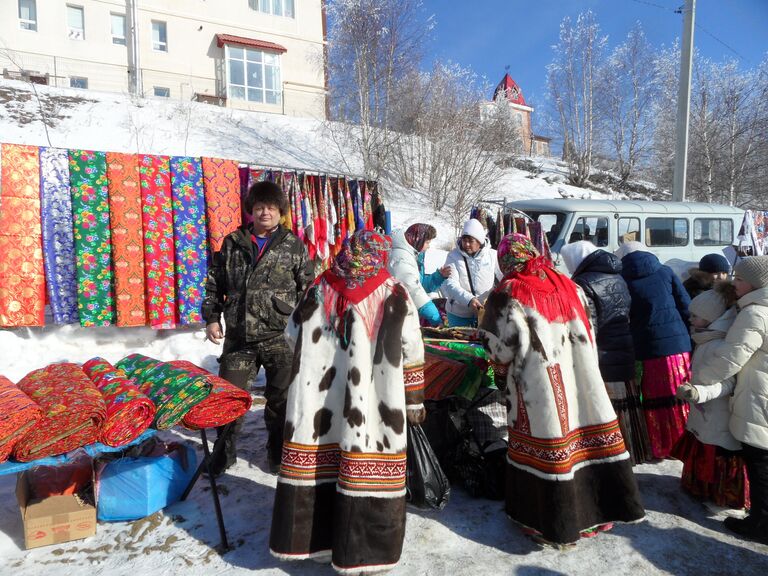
(22, 277)
(221, 179)
(127, 238)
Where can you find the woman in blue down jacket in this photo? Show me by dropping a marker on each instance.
(658, 321)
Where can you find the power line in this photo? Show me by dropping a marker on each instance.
(723, 43)
(655, 5)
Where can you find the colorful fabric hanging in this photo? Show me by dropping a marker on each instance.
(173, 390)
(22, 274)
(310, 211)
(349, 208)
(157, 220)
(72, 407)
(357, 204)
(224, 404)
(93, 247)
(127, 238)
(20, 414)
(129, 412)
(367, 204)
(222, 198)
(58, 238)
(321, 223)
(189, 237)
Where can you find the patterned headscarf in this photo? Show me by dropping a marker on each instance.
(362, 257)
(515, 251)
(418, 234)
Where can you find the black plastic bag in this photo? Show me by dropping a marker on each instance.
(426, 484)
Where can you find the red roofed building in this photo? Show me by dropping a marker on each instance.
(531, 143)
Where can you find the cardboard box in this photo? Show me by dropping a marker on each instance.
(54, 519)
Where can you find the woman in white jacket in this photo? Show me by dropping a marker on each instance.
(474, 270)
(744, 353)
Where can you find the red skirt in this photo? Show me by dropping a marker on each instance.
(712, 473)
(665, 415)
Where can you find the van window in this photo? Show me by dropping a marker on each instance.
(591, 228)
(629, 230)
(666, 231)
(551, 223)
(712, 232)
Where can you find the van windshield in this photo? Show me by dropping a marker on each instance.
(551, 223)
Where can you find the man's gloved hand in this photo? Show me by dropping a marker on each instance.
(687, 392)
(416, 416)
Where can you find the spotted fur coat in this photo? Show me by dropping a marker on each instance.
(341, 487)
(568, 468)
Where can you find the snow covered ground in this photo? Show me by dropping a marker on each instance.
(470, 536)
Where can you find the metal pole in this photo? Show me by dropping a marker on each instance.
(135, 85)
(683, 103)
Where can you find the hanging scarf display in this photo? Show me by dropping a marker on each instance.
(224, 404)
(93, 247)
(173, 390)
(189, 237)
(357, 204)
(309, 210)
(73, 411)
(58, 238)
(129, 412)
(20, 414)
(321, 222)
(349, 209)
(341, 212)
(222, 199)
(157, 220)
(22, 276)
(331, 217)
(367, 207)
(125, 222)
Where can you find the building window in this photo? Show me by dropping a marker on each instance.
(161, 92)
(159, 36)
(75, 22)
(28, 15)
(78, 82)
(253, 75)
(712, 232)
(275, 7)
(118, 28)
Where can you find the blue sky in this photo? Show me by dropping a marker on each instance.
(487, 35)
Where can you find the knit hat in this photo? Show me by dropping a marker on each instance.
(473, 228)
(574, 253)
(709, 305)
(753, 269)
(713, 263)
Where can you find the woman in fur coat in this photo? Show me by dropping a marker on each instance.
(406, 264)
(568, 470)
(357, 378)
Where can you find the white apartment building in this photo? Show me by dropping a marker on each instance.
(264, 55)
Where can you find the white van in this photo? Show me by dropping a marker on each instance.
(674, 231)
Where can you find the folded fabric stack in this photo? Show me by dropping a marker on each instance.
(129, 412)
(442, 376)
(19, 415)
(173, 390)
(473, 356)
(225, 403)
(73, 411)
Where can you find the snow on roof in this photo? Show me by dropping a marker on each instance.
(510, 90)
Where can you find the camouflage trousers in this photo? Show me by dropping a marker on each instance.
(239, 366)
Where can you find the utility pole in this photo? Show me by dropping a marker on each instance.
(135, 84)
(683, 103)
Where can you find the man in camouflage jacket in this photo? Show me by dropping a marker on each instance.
(255, 281)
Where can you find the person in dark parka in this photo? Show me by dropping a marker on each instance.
(598, 273)
(712, 268)
(658, 320)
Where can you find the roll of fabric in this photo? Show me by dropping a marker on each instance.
(157, 220)
(222, 199)
(173, 390)
(58, 237)
(189, 237)
(224, 404)
(127, 238)
(20, 414)
(93, 247)
(22, 275)
(72, 407)
(129, 412)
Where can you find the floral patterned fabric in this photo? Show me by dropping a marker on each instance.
(20, 414)
(222, 199)
(129, 412)
(127, 238)
(224, 404)
(73, 411)
(189, 237)
(157, 219)
(173, 390)
(93, 248)
(22, 275)
(58, 237)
